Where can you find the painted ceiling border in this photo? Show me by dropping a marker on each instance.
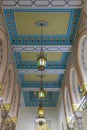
(39, 4)
(16, 39)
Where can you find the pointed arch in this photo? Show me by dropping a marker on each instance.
(82, 57)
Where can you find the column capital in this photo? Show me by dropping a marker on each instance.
(84, 88)
(76, 108)
(68, 119)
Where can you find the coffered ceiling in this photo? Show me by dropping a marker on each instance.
(62, 18)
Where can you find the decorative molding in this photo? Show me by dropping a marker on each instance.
(13, 113)
(82, 24)
(67, 39)
(46, 89)
(2, 22)
(8, 85)
(67, 104)
(35, 71)
(37, 48)
(73, 81)
(40, 3)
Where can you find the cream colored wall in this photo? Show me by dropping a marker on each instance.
(26, 118)
(61, 115)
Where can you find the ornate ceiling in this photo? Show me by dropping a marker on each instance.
(25, 38)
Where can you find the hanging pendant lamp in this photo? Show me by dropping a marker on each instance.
(41, 92)
(41, 119)
(41, 60)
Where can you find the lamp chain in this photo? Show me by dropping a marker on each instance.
(41, 24)
(41, 80)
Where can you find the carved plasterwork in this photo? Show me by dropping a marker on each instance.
(67, 104)
(40, 3)
(82, 24)
(8, 87)
(3, 55)
(82, 57)
(73, 84)
(13, 113)
(2, 22)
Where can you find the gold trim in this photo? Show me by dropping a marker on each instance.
(14, 119)
(75, 107)
(84, 88)
(8, 120)
(11, 119)
(68, 119)
(7, 106)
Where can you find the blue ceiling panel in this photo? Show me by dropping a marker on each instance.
(32, 100)
(56, 39)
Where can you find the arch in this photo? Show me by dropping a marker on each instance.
(3, 55)
(82, 57)
(73, 85)
(8, 86)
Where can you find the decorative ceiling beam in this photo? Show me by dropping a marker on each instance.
(37, 48)
(39, 3)
(46, 89)
(35, 71)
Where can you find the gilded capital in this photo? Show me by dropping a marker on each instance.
(84, 88)
(76, 107)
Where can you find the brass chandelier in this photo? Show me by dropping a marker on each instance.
(41, 91)
(41, 118)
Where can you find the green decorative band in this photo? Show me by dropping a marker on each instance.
(84, 88)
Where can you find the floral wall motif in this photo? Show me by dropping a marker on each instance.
(73, 84)
(82, 56)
